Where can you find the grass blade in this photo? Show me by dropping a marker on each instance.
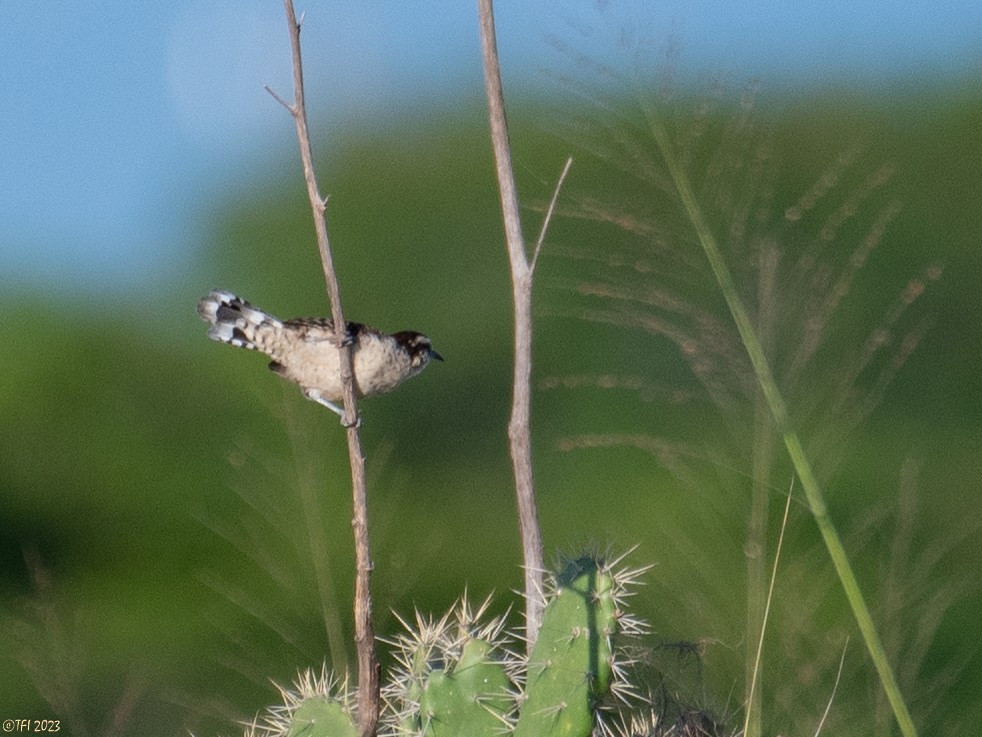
(779, 410)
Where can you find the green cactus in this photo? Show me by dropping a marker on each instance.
(321, 717)
(453, 677)
(570, 666)
(317, 705)
(471, 699)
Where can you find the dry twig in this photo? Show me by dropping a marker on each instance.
(368, 666)
(522, 270)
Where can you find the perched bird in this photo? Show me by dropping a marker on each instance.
(305, 350)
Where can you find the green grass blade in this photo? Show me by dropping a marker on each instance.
(792, 443)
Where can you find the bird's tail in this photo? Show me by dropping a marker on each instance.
(236, 322)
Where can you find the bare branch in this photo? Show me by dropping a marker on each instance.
(368, 666)
(519, 435)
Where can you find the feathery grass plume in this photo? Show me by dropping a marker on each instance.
(785, 271)
(280, 603)
(44, 640)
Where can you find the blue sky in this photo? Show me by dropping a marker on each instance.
(122, 121)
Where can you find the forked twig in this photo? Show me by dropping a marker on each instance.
(522, 269)
(368, 666)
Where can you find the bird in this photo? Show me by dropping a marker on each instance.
(305, 350)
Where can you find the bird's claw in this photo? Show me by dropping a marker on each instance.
(347, 424)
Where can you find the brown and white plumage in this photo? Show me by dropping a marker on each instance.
(305, 350)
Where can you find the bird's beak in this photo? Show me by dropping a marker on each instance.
(434, 354)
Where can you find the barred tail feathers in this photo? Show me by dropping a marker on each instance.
(234, 321)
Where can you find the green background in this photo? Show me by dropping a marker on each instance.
(186, 513)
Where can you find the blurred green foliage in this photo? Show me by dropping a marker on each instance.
(185, 514)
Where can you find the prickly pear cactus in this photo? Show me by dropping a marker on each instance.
(316, 706)
(453, 676)
(321, 717)
(570, 666)
(472, 699)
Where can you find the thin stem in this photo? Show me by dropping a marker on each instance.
(792, 443)
(368, 666)
(753, 715)
(762, 461)
(835, 687)
(519, 435)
